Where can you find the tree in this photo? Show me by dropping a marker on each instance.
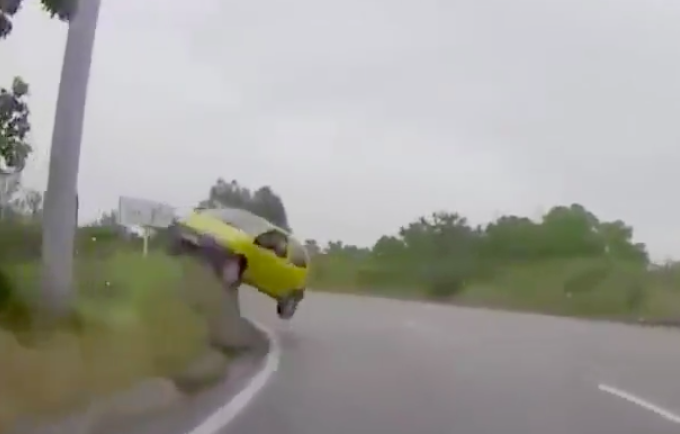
(107, 219)
(441, 234)
(58, 236)
(14, 127)
(312, 247)
(269, 205)
(31, 204)
(263, 202)
(570, 232)
(9, 186)
(62, 9)
(443, 252)
(512, 238)
(25, 204)
(617, 238)
(224, 194)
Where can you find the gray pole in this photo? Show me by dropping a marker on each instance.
(59, 223)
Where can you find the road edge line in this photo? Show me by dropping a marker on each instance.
(643, 403)
(224, 415)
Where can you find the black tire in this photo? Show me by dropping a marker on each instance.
(287, 307)
(230, 272)
(177, 247)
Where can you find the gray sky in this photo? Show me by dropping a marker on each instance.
(364, 114)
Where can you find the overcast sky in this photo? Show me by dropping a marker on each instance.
(364, 114)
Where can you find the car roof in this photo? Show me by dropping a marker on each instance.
(245, 220)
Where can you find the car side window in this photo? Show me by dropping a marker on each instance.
(298, 256)
(274, 241)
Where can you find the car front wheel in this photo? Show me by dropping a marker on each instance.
(286, 307)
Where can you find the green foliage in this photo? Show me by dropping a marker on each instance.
(569, 261)
(587, 280)
(20, 252)
(8, 8)
(108, 219)
(14, 127)
(61, 9)
(20, 241)
(6, 292)
(133, 319)
(263, 201)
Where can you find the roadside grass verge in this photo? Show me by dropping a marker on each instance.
(589, 288)
(134, 318)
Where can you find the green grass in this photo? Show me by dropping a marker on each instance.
(134, 318)
(588, 288)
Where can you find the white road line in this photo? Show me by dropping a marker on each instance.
(225, 414)
(660, 411)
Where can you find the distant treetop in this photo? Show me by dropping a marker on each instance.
(64, 10)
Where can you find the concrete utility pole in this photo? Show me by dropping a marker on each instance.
(59, 219)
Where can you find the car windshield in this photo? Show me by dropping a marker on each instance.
(241, 219)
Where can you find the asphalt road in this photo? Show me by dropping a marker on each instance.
(370, 366)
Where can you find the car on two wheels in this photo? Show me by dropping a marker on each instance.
(241, 247)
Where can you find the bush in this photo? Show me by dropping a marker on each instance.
(446, 282)
(5, 290)
(586, 280)
(19, 242)
(591, 287)
(132, 320)
(134, 317)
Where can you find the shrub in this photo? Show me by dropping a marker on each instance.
(444, 280)
(586, 280)
(131, 321)
(19, 242)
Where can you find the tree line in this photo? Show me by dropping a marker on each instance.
(262, 201)
(444, 251)
(535, 264)
(562, 232)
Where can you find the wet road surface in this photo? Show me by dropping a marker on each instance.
(370, 366)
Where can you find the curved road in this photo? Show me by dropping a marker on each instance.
(354, 365)
(370, 366)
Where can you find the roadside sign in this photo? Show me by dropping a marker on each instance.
(146, 213)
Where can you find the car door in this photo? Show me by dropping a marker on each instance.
(297, 258)
(270, 270)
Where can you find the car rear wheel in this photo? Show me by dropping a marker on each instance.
(231, 272)
(177, 247)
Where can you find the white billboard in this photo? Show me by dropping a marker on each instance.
(141, 212)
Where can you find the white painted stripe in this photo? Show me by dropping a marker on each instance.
(225, 414)
(660, 411)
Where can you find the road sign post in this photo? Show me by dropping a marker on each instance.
(146, 215)
(145, 243)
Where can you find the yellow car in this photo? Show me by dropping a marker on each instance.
(244, 248)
